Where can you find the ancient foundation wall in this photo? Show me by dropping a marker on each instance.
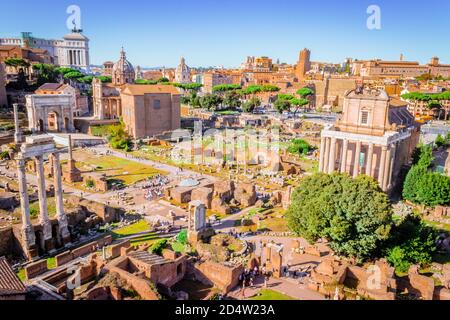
(223, 277)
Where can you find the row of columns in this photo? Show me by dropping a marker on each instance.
(27, 228)
(328, 157)
(76, 57)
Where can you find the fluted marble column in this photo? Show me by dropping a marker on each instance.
(43, 212)
(357, 159)
(60, 215)
(27, 228)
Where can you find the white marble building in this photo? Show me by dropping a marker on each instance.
(72, 51)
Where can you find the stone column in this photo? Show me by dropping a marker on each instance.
(357, 159)
(322, 152)
(382, 165)
(27, 228)
(43, 213)
(326, 155)
(344, 156)
(392, 164)
(60, 215)
(369, 160)
(18, 132)
(332, 156)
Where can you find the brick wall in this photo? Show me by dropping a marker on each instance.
(35, 269)
(6, 241)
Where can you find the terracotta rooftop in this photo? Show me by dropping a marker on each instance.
(139, 90)
(10, 284)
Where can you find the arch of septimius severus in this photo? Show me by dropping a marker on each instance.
(42, 237)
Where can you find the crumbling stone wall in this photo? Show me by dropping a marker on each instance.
(35, 269)
(222, 276)
(6, 241)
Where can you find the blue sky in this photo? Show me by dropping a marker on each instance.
(213, 32)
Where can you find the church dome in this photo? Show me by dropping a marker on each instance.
(123, 65)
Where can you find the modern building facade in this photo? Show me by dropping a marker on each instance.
(71, 51)
(375, 136)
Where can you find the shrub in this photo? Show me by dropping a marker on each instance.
(158, 246)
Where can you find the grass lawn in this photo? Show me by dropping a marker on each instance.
(178, 247)
(134, 228)
(21, 275)
(147, 239)
(129, 172)
(267, 294)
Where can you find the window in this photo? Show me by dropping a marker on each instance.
(364, 117)
(157, 104)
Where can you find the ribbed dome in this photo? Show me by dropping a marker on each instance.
(123, 65)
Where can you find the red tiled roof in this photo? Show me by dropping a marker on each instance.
(10, 284)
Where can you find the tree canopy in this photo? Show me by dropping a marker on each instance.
(299, 147)
(282, 105)
(422, 186)
(210, 101)
(353, 214)
(251, 104)
(226, 87)
(305, 92)
(16, 62)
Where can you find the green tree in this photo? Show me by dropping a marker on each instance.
(105, 79)
(299, 147)
(353, 214)
(182, 237)
(45, 73)
(251, 104)
(412, 242)
(299, 103)
(210, 101)
(423, 186)
(221, 88)
(284, 96)
(232, 99)
(282, 105)
(158, 246)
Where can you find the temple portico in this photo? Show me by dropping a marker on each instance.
(373, 137)
(35, 148)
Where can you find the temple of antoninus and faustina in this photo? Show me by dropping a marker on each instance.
(375, 136)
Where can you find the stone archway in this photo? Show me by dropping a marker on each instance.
(41, 126)
(66, 123)
(53, 121)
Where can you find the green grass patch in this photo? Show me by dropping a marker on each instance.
(51, 263)
(268, 294)
(134, 228)
(21, 275)
(178, 247)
